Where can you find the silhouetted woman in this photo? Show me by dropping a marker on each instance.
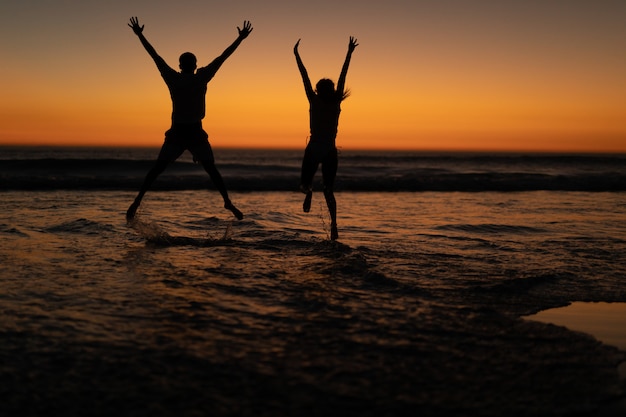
(324, 108)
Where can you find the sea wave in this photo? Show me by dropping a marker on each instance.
(357, 172)
(490, 229)
(80, 226)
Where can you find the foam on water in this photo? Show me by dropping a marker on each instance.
(157, 235)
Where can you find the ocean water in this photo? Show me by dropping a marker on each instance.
(418, 309)
(605, 321)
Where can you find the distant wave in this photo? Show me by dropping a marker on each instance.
(356, 173)
(80, 226)
(490, 229)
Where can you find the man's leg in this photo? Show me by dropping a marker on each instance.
(202, 152)
(152, 175)
(170, 151)
(216, 177)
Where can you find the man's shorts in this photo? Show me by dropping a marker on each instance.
(182, 137)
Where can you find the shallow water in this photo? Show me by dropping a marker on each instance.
(605, 321)
(417, 308)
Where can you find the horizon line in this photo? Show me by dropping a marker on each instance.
(341, 148)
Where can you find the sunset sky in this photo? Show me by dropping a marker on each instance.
(532, 75)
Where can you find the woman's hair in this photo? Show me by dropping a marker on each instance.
(325, 89)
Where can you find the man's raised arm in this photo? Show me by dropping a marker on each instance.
(134, 25)
(243, 34)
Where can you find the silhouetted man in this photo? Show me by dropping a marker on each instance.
(188, 90)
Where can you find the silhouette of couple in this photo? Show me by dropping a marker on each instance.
(188, 90)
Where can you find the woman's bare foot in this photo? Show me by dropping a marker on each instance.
(306, 206)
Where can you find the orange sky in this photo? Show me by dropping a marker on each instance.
(480, 75)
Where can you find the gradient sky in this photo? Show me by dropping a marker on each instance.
(533, 75)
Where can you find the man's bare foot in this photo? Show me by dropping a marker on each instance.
(228, 205)
(306, 206)
(334, 234)
(132, 210)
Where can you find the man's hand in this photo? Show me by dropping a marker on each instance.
(245, 31)
(352, 45)
(134, 25)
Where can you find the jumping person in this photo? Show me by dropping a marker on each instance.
(187, 90)
(324, 108)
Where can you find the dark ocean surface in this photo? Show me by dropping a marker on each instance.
(274, 170)
(417, 310)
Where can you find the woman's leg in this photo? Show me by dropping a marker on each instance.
(329, 173)
(309, 167)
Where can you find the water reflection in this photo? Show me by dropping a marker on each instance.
(604, 321)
